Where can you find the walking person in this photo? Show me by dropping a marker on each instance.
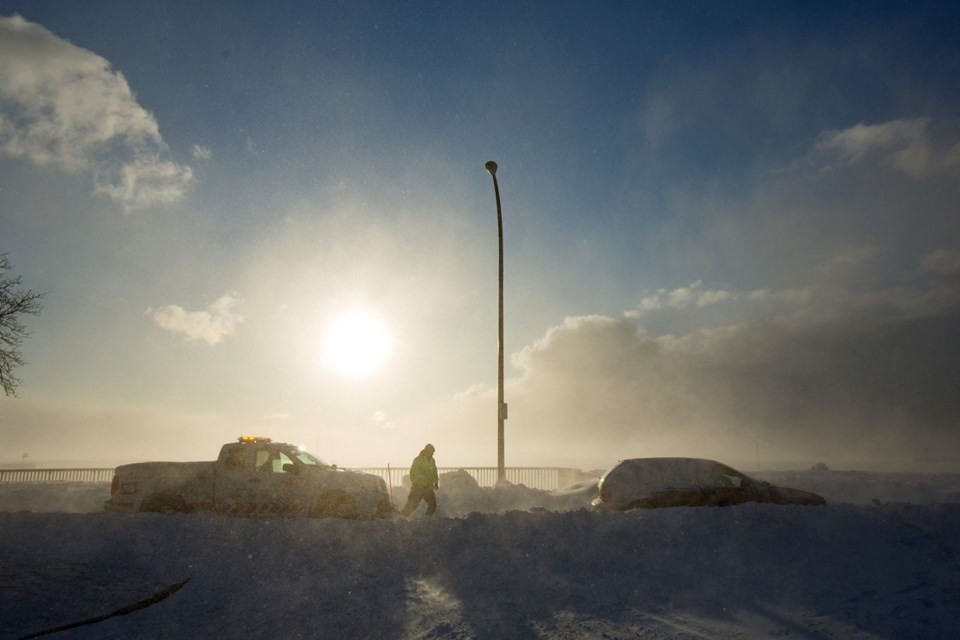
(424, 482)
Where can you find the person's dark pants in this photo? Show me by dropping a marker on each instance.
(418, 493)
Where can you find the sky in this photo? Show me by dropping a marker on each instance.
(730, 231)
(505, 562)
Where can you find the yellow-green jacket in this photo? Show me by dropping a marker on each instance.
(423, 471)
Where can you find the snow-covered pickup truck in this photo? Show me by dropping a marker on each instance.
(252, 477)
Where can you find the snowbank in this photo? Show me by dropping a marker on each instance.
(507, 562)
(752, 571)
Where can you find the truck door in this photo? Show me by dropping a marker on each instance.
(232, 487)
(275, 489)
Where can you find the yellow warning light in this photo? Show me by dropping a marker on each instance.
(252, 439)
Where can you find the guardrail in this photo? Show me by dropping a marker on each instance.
(56, 475)
(547, 478)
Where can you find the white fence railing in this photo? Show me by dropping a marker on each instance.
(56, 475)
(547, 478)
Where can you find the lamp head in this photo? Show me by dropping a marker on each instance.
(491, 167)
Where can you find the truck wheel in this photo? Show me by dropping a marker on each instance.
(336, 504)
(164, 503)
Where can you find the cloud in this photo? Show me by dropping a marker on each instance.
(905, 144)
(693, 295)
(822, 372)
(63, 106)
(858, 205)
(475, 391)
(848, 257)
(212, 325)
(279, 416)
(142, 182)
(202, 153)
(943, 262)
(383, 420)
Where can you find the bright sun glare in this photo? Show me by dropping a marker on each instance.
(356, 344)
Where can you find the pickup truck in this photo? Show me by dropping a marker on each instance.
(252, 477)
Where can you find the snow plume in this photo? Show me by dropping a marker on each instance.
(212, 325)
(63, 106)
(824, 372)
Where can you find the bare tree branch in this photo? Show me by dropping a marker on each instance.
(14, 303)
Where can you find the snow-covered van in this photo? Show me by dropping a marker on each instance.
(252, 477)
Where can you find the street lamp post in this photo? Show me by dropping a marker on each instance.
(491, 167)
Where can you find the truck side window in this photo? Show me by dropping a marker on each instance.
(265, 458)
(272, 461)
(234, 459)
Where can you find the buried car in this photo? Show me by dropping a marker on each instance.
(649, 483)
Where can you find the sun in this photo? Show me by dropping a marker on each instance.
(356, 344)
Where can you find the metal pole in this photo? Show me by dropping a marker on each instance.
(491, 167)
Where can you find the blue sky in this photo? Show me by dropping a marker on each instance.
(728, 227)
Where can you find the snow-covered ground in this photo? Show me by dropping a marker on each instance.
(882, 560)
